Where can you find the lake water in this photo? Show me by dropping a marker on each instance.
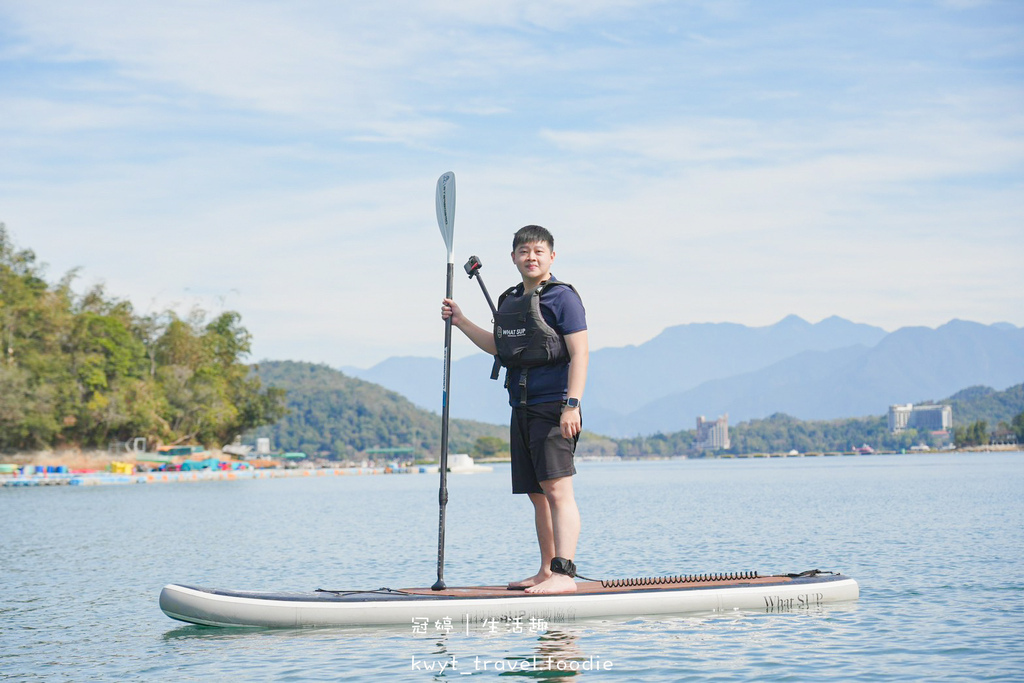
(936, 542)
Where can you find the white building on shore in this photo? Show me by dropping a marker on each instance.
(930, 418)
(712, 435)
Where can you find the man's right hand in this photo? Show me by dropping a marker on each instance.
(451, 310)
(484, 339)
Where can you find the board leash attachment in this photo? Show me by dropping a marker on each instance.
(809, 574)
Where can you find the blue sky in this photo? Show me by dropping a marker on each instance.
(696, 161)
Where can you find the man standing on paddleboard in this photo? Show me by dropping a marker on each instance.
(540, 336)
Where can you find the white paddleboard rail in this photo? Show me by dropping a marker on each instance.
(472, 605)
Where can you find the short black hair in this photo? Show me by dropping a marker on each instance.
(528, 234)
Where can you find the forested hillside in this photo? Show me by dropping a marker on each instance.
(781, 433)
(85, 370)
(986, 404)
(336, 416)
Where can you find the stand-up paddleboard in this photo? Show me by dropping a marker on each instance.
(475, 605)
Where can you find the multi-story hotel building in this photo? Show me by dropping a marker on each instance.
(930, 418)
(712, 435)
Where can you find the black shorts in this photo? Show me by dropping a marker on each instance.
(539, 451)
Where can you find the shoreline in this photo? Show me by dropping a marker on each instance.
(72, 458)
(99, 460)
(191, 476)
(75, 467)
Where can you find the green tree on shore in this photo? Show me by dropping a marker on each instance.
(490, 446)
(1017, 427)
(86, 370)
(974, 434)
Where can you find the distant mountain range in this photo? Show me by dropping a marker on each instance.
(828, 370)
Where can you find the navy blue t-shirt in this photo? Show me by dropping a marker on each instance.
(563, 310)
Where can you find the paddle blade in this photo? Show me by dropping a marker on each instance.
(445, 204)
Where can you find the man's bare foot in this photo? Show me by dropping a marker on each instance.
(556, 583)
(537, 578)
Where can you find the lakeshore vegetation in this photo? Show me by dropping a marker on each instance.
(85, 370)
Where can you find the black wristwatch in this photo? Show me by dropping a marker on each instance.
(572, 403)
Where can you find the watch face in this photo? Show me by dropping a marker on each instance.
(573, 402)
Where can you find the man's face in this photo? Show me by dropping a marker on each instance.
(533, 260)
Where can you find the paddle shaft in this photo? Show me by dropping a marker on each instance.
(442, 494)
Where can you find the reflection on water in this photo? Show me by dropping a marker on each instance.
(559, 652)
(557, 655)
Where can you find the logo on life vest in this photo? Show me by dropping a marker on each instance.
(515, 332)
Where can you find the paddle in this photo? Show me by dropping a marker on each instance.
(445, 205)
